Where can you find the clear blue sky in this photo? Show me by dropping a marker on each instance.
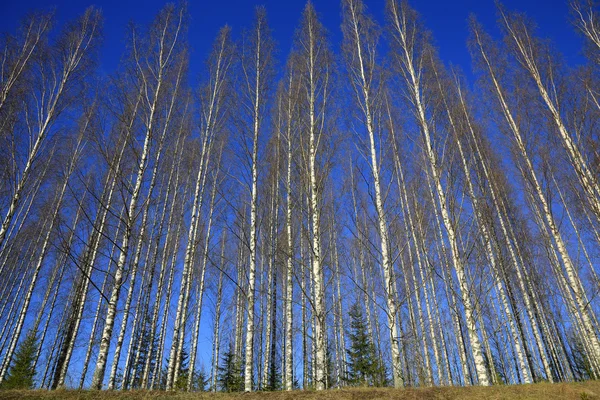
(447, 20)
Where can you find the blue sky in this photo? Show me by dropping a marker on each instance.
(447, 20)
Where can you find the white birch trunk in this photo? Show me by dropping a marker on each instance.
(38, 267)
(413, 80)
(175, 170)
(239, 308)
(505, 232)
(271, 273)
(200, 294)
(170, 267)
(130, 221)
(304, 297)
(187, 278)
(451, 293)
(289, 286)
(249, 356)
(62, 264)
(487, 241)
(361, 228)
(572, 275)
(589, 182)
(365, 101)
(210, 116)
(94, 244)
(88, 353)
(144, 223)
(77, 49)
(114, 297)
(340, 311)
(430, 323)
(135, 337)
(315, 215)
(411, 227)
(217, 323)
(15, 296)
(23, 213)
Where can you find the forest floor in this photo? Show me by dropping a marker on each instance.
(577, 391)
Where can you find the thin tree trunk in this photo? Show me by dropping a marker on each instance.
(399, 23)
(217, 323)
(92, 252)
(530, 175)
(200, 294)
(175, 170)
(289, 284)
(61, 264)
(210, 119)
(40, 260)
(364, 92)
(487, 241)
(144, 223)
(77, 49)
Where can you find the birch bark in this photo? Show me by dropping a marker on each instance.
(404, 31)
(356, 28)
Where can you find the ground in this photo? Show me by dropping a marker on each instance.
(545, 391)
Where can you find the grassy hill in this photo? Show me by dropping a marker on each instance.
(562, 391)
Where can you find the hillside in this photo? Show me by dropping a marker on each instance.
(563, 391)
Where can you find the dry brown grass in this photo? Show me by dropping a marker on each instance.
(562, 391)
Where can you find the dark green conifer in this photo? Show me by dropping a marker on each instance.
(364, 367)
(22, 372)
(230, 373)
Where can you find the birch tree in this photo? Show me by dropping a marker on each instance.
(314, 71)
(255, 69)
(409, 53)
(212, 118)
(71, 55)
(528, 51)
(152, 69)
(360, 48)
(546, 214)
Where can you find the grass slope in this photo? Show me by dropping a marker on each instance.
(545, 391)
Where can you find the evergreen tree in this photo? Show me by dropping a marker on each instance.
(581, 364)
(230, 373)
(119, 378)
(184, 370)
(364, 367)
(500, 373)
(274, 376)
(329, 371)
(146, 344)
(22, 372)
(201, 380)
(181, 383)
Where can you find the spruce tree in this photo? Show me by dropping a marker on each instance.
(184, 370)
(200, 380)
(147, 344)
(274, 375)
(22, 372)
(329, 368)
(364, 367)
(581, 365)
(230, 373)
(182, 374)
